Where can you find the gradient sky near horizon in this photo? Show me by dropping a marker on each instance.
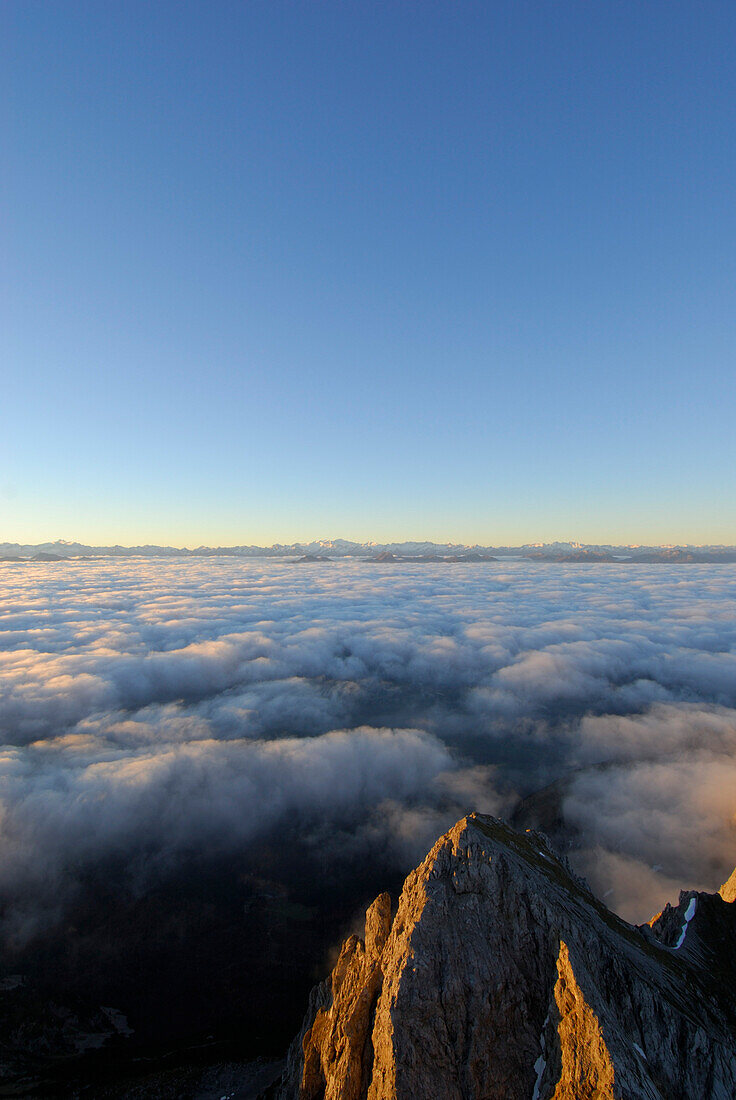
(457, 270)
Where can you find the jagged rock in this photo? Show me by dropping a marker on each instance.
(502, 977)
(728, 890)
(701, 928)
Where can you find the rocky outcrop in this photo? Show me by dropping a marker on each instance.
(728, 890)
(501, 976)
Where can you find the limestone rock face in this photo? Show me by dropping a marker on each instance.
(728, 890)
(587, 1069)
(501, 977)
(337, 1053)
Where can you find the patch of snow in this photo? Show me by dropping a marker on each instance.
(639, 1050)
(541, 1063)
(689, 914)
(540, 1066)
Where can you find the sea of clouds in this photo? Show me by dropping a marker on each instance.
(151, 708)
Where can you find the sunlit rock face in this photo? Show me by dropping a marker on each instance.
(728, 890)
(501, 976)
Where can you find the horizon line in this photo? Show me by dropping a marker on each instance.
(574, 544)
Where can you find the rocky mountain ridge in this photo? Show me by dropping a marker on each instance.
(501, 976)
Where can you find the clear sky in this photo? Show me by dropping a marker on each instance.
(449, 270)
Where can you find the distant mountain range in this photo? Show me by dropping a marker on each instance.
(388, 552)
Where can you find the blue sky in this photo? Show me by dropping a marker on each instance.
(368, 270)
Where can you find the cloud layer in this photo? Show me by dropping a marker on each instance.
(156, 706)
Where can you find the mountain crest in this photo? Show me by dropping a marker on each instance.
(501, 976)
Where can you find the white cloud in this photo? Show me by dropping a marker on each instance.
(189, 702)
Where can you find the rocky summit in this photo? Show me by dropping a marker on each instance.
(500, 976)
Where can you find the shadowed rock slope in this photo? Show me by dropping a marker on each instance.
(500, 976)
